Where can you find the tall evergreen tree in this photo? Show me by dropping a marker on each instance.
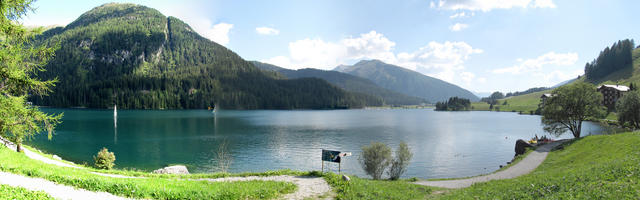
(19, 63)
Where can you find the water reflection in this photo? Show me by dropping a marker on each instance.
(445, 144)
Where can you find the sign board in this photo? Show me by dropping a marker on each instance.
(330, 156)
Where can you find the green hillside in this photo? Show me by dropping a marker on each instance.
(405, 81)
(593, 167)
(137, 58)
(529, 102)
(523, 103)
(347, 82)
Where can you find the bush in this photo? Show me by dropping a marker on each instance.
(104, 159)
(375, 159)
(400, 162)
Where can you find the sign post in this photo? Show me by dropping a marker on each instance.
(333, 156)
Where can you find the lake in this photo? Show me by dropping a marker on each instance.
(444, 144)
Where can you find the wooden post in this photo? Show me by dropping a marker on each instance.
(322, 167)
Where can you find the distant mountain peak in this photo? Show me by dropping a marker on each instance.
(406, 81)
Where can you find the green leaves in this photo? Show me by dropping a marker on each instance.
(19, 65)
(569, 106)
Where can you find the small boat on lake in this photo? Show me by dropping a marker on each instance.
(115, 110)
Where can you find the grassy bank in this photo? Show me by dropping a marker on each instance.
(593, 167)
(148, 187)
(8, 192)
(359, 188)
(525, 104)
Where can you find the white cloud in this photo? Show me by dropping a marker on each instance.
(458, 15)
(458, 27)
(267, 31)
(544, 4)
(441, 60)
(467, 77)
(218, 33)
(536, 64)
(488, 5)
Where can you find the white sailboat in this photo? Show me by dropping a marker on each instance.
(115, 110)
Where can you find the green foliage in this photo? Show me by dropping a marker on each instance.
(610, 60)
(593, 167)
(152, 187)
(570, 106)
(528, 91)
(104, 159)
(493, 98)
(358, 188)
(20, 64)
(12, 193)
(137, 58)
(401, 161)
(375, 159)
(454, 104)
(628, 109)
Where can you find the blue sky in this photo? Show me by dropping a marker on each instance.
(480, 45)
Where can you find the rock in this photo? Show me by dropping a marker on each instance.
(57, 157)
(176, 169)
(521, 147)
(345, 178)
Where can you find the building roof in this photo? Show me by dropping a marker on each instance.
(621, 88)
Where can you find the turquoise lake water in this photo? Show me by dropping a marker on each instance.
(444, 144)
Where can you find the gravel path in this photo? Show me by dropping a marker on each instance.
(308, 186)
(525, 166)
(53, 189)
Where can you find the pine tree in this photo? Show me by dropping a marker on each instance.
(19, 64)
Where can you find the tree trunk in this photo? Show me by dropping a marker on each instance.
(576, 134)
(18, 147)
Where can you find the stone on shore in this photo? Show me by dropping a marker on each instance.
(346, 178)
(521, 147)
(176, 169)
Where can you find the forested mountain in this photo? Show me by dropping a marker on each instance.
(616, 58)
(347, 82)
(406, 81)
(137, 58)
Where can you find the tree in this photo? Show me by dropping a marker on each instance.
(19, 65)
(569, 106)
(104, 159)
(375, 159)
(628, 108)
(400, 163)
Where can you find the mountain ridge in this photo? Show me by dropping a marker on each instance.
(137, 58)
(406, 81)
(347, 82)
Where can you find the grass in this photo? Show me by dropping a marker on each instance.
(8, 192)
(593, 167)
(359, 188)
(149, 187)
(525, 104)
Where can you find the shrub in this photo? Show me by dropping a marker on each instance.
(375, 159)
(104, 159)
(224, 156)
(400, 162)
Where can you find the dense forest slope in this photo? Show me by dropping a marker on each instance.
(137, 58)
(347, 82)
(406, 81)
